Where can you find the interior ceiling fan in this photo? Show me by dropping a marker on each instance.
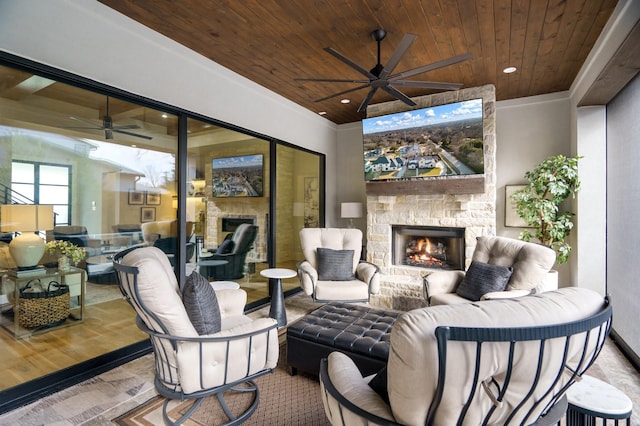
(109, 128)
(380, 77)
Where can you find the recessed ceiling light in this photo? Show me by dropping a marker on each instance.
(134, 146)
(345, 101)
(509, 70)
(164, 115)
(323, 113)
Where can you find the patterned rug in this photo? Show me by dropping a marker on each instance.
(284, 399)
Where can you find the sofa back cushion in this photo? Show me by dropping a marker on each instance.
(530, 261)
(413, 356)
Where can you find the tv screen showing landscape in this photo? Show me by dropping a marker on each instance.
(443, 140)
(240, 176)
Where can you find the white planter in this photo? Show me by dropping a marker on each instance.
(550, 282)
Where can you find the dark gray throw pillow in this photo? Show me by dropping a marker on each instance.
(335, 265)
(379, 384)
(201, 304)
(482, 278)
(226, 247)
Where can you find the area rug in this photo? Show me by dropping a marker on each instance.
(284, 399)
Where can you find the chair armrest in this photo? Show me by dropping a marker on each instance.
(369, 273)
(507, 294)
(442, 282)
(308, 277)
(231, 302)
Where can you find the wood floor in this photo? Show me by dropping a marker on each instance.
(107, 326)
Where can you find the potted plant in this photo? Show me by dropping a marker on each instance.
(65, 249)
(550, 183)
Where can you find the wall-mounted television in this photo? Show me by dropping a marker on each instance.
(240, 176)
(443, 140)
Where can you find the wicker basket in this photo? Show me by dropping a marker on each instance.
(43, 307)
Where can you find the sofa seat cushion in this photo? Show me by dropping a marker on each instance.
(339, 290)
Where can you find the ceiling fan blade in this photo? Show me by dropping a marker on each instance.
(402, 48)
(426, 84)
(126, 126)
(331, 80)
(352, 64)
(399, 95)
(82, 128)
(365, 102)
(342, 93)
(137, 135)
(85, 121)
(431, 67)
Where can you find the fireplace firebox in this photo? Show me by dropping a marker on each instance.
(431, 247)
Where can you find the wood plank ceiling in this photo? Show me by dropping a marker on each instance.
(272, 42)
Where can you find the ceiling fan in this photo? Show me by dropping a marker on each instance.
(109, 128)
(380, 77)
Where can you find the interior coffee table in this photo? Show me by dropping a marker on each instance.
(277, 310)
(203, 266)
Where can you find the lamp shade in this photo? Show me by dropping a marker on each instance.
(351, 210)
(28, 248)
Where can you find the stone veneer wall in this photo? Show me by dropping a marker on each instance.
(402, 286)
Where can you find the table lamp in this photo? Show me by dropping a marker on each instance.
(351, 211)
(27, 248)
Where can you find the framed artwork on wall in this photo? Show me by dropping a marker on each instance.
(147, 214)
(136, 197)
(311, 203)
(153, 198)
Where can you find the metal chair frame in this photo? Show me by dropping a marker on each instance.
(166, 381)
(594, 327)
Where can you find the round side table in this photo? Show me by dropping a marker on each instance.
(224, 285)
(591, 399)
(277, 310)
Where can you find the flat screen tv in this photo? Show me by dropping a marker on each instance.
(443, 140)
(240, 176)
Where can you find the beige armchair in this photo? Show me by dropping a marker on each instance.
(201, 348)
(332, 269)
(501, 268)
(493, 362)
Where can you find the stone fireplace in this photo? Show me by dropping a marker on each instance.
(469, 210)
(430, 247)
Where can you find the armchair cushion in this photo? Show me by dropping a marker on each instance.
(335, 265)
(483, 278)
(201, 303)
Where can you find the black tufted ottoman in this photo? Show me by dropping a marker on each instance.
(361, 332)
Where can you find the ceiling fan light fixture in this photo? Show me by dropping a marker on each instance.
(509, 70)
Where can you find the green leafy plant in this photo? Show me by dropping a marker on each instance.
(72, 251)
(550, 183)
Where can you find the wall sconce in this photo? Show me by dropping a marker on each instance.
(27, 248)
(351, 211)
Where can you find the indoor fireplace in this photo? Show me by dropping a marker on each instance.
(432, 247)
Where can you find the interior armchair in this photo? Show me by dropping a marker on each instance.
(203, 343)
(234, 250)
(332, 269)
(488, 363)
(500, 268)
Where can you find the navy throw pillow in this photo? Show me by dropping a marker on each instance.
(482, 278)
